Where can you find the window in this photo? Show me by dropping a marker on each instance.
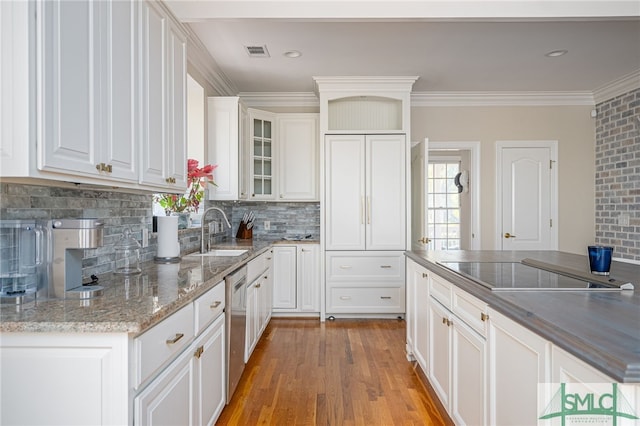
(443, 215)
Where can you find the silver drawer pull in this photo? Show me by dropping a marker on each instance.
(385, 266)
(177, 337)
(345, 266)
(215, 304)
(385, 297)
(345, 297)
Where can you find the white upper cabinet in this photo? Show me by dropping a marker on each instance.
(365, 192)
(94, 93)
(228, 127)
(297, 157)
(88, 88)
(164, 158)
(262, 147)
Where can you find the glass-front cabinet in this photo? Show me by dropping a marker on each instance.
(261, 154)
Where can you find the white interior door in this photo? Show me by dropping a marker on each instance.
(526, 197)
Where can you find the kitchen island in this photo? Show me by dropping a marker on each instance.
(488, 353)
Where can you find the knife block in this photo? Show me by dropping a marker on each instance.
(244, 233)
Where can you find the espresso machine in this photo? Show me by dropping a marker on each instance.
(69, 239)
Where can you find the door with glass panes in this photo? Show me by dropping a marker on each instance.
(444, 210)
(261, 148)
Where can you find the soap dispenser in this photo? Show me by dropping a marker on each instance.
(127, 252)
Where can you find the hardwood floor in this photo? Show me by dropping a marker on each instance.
(343, 372)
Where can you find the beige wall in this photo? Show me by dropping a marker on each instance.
(572, 127)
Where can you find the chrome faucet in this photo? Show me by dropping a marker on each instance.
(203, 246)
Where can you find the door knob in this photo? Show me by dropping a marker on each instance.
(508, 235)
(424, 240)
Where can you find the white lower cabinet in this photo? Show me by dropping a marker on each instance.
(417, 313)
(296, 279)
(365, 282)
(210, 375)
(168, 375)
(519, 360)
(259, 300)
(457, 364)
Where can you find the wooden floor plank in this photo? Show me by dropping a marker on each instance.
(343, 372)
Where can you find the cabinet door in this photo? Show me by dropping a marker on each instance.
(519, 361)
(262, 148)
(297, 157)
(210, 374)
(169, 399)
(309, 277)
(418, 312)
(153, 25)
(266, 300)
(119, 84)
(284, 277)
(345, 192)
(176, 106)
(440, 351)
(385, 199)
(468, 375)
(76, 379)
(224, 143)
(253, 307)
(70, 93)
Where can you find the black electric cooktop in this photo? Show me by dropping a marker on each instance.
(517, 276)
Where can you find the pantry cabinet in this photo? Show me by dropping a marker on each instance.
(95, 93)
(228, 129)
(296, 284)
(365, 282)
(365, 188)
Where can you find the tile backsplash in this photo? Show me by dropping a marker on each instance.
(119, 210)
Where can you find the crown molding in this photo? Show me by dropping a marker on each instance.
(617, 87)
(200, 58)
(279, 99)
(466, 99)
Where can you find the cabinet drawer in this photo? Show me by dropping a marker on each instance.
(258, 265)
(471, 310)
(385, 266)
(208, 306)
(365, 300)
(441, 290)
(157, 346)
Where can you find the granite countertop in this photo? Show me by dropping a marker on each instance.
(136, 303)
(601, 328)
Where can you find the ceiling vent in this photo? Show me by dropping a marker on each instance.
(257, 51)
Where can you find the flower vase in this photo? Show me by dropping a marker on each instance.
(183, 219)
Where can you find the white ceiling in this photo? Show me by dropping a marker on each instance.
(449, 54)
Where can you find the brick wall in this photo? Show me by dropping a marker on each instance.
(618, 175)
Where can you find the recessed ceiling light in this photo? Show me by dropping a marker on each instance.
(292, 54)
(555, 53)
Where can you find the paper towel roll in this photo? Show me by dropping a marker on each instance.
(168, 245)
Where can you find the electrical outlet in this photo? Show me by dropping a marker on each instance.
(267, 225)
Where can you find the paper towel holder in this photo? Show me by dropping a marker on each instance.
(172, 235)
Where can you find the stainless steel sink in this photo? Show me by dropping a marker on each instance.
(221, 253)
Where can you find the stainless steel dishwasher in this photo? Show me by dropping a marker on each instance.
(235, 320)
